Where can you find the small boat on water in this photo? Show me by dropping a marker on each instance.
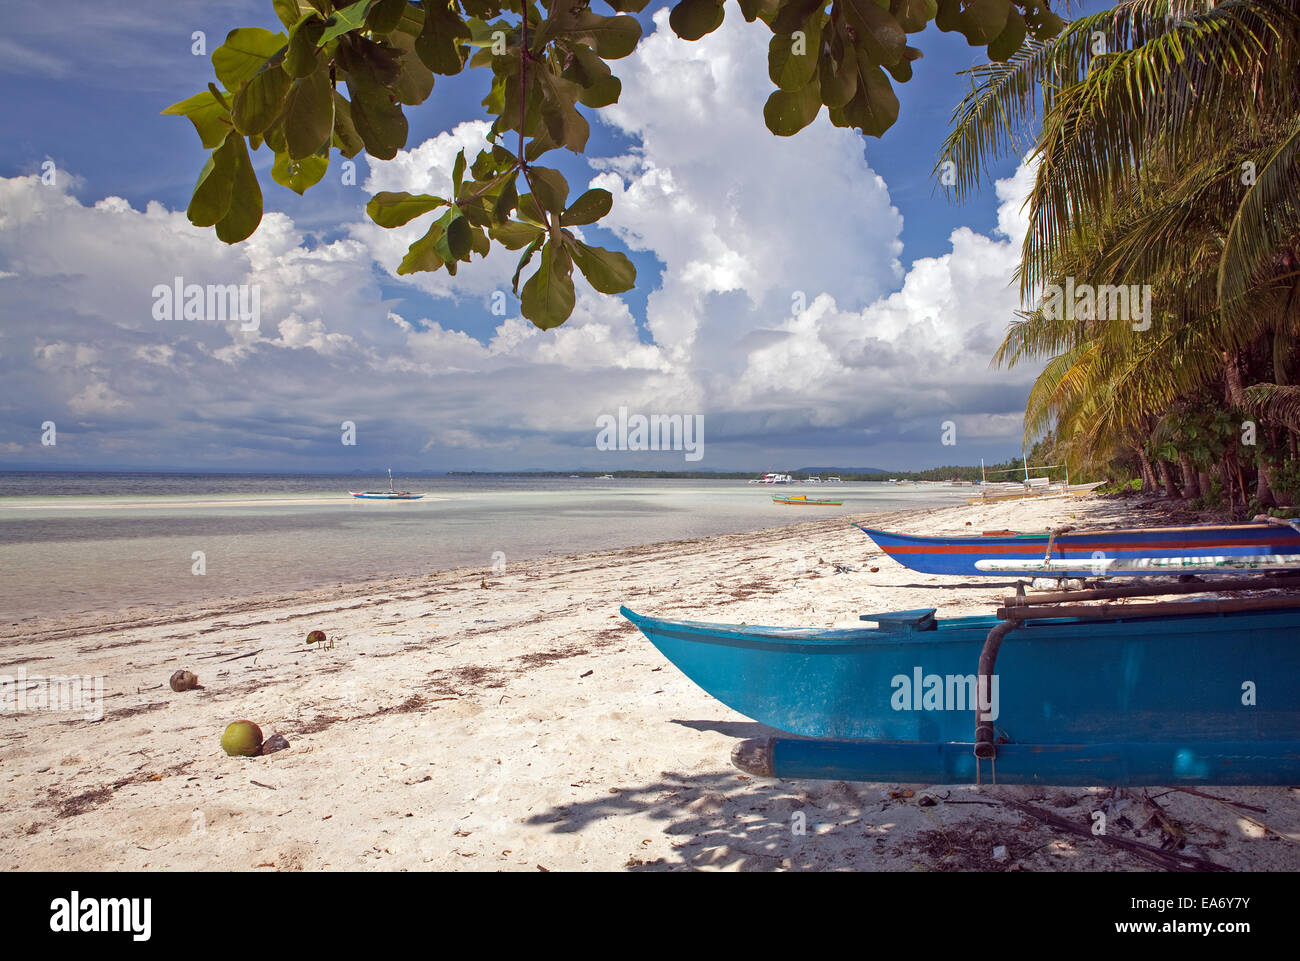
(389, 495)
(804, 500)
(1190, 692)
(1226, 548)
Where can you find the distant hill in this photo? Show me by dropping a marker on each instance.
(841, 470)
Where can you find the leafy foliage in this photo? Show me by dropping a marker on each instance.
(1166, 159)
(285, 91)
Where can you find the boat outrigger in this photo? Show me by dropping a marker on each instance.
(389, 495)
(1048, 691)
(803, 500)
(1264, 546)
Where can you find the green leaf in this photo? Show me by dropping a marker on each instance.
(791, 70)
(534, 245)
(423, 255)
(948, 16)
(459, 236)
(298, 175)
(1006, 43)
(611, 37)
(303, 55)
(529, 210)
(479, 243)
(1048, 27)
(506, 202)
(346, 137)
(415, 82)
(791, 13)
(608, 271)
(245, 211)
(287, 10)
(982, 20)
(385, 15)
(259, 102)
(563, 122)
(436, 44)
(346, 20)
(378, 120)
(309, 114)
(513, 235)
(586, 68)
(393, 208)
(588, 208)
(210, 119)
(376, 63)
(914, 14)
(244, 53)
(786, 113)
(901, 71)
(874, 108)
(602, 93)
(838, 76)
(692, 19)
(879, 34)
(548, 298)
(549, 187)
(752, 10)
(211, 197)
(458, 172)
(627, 6)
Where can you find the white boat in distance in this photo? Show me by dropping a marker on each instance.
(388, 495)
(774, 479)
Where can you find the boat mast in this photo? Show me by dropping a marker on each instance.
(390, 480)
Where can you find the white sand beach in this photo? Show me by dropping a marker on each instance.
(485, 721)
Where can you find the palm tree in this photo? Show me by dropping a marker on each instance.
(1166, 158)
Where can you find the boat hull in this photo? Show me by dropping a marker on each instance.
(1126, 764)
(1132, 553)
(386, 497)
(1165, 683)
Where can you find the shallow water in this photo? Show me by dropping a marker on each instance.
(82, 542)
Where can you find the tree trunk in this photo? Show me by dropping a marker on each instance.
(1191, 483)
(1225, 478)
(1167, 479)
(1237, 397)
(1203, 479)
(1264, 486)
(1148, 475)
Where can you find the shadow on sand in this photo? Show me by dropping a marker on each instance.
(726, 820)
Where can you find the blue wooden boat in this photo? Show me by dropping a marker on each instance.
(1137, 552)
(1208, 694)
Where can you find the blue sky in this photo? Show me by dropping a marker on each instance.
(907, 292)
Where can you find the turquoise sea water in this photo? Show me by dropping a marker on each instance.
(82, 542)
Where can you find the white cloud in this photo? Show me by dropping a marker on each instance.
(727, 206)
